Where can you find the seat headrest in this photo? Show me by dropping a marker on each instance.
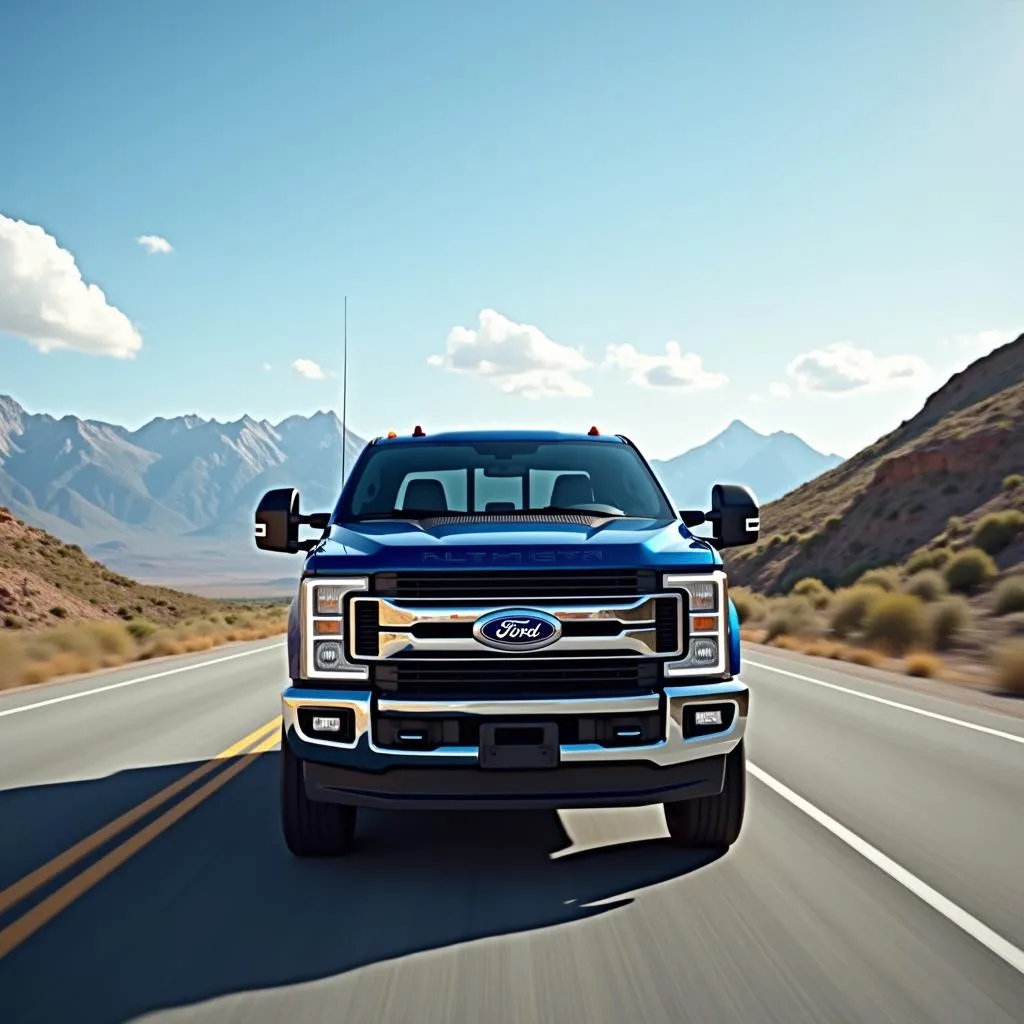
(572, 489)
(426, 494)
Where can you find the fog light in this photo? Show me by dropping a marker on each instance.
(328, 655)
(704, 652)
(708, 717)
(327, 725)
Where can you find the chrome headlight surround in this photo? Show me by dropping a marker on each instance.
(708, 624)
(322, 608)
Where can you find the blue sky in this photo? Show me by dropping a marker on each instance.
(756, 182)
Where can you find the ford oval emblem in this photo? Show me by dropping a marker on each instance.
(517, 629)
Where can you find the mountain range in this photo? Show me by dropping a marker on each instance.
(771, 465)
(171, 501)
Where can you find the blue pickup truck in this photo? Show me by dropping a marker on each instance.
(510, 619)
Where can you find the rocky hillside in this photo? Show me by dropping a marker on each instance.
(44, 582)
(927, 482)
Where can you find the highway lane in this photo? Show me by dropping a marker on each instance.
(578, 916)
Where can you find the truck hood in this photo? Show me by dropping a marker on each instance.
(402, 545)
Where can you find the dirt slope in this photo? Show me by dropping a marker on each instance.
(44, 581)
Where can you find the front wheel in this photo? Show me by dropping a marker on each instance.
(712, 821)
(311, 828)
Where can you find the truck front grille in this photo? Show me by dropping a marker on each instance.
(513, 585)
(515, 677)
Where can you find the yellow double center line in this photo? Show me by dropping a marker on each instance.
(260, 741)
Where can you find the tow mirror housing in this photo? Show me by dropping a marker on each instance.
(735, 516)
(278, 519)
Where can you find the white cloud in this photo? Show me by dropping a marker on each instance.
(154, 243)
(308, 369)
(779, 389)
(267, 367)
(44, 300)
(519, 358)
(675, 369)
(984, 342)
(842, 369)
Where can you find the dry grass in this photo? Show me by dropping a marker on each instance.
(865, 656)
(922, 665)
(76, 647)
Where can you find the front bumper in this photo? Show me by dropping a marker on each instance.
(358, 770)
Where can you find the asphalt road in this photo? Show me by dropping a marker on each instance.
(879, 877)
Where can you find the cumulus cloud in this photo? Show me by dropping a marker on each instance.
(779, 389)
(675, 369)
(44, 300)
(308, 369)
(519, 358)
(842, 369)
(154, 243)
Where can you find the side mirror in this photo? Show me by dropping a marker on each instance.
(735, 516)
(278, 520)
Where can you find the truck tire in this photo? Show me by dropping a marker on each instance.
(311, 828)
(712, 821)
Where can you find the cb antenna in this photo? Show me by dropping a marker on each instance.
(344, 391)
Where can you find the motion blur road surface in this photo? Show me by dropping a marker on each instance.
(878, 877)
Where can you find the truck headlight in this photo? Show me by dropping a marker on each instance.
(323, 628)
(707, 623)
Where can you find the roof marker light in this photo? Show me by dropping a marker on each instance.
(391, 434)
(594, 432)
(418, 431)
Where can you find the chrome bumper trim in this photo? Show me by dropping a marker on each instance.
(544, 706)
(671, 749)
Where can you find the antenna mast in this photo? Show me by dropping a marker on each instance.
(344, 392)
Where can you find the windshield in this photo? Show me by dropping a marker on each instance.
(502, 477)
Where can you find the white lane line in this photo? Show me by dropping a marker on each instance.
(891, 703)
(1002, 948)
(137, 679)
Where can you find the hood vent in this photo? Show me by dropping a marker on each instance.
(590, 519)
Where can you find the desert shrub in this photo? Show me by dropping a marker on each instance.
(969, 569)
(949, 618)
(814, 590)
(928, 585)
(887, 578)
(748, 605)
(897, 623)
(1010, 596)
(923, 560)
(1013, 482)
(955, 525)
(141, 629)
(1009, 666)
(59, 612)
(790, 616)
(850, 607)
(997, 530)
(922, 665)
